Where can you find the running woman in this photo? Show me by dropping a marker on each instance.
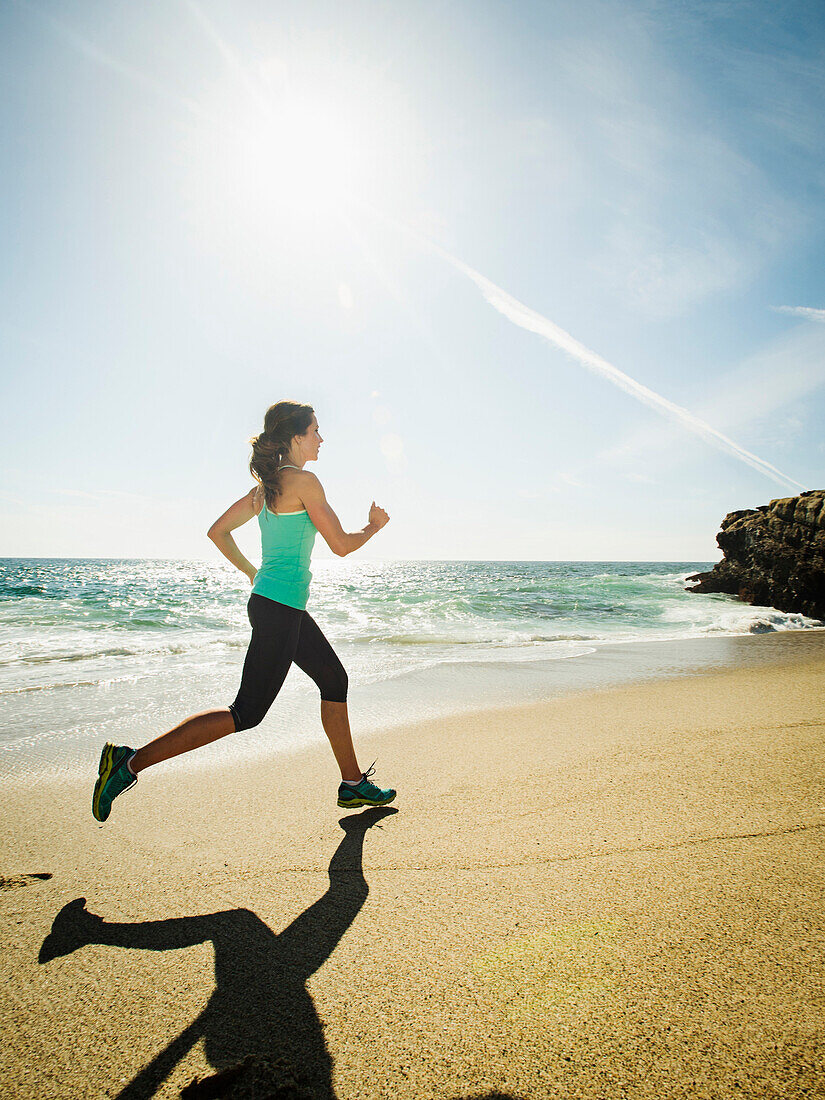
(291, 507)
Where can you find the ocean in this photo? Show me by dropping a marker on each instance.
(121, 650)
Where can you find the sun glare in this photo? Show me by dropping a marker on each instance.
(286, 157)
(299, 160)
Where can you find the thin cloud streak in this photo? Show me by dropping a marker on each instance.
(789, 370)
(99, 57)
(228, 55)
(515, 311)
(803, 311)
(528, 319)
(395, 291)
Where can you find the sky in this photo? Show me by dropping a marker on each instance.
(550, 274)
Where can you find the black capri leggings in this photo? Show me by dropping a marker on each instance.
(281, 635)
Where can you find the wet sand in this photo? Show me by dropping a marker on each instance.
(612, 893)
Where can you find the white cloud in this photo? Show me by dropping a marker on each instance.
(643, 478)
(803, 311)
(657, 273)
(571, 479)
(679, 213)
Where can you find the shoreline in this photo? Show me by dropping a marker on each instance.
(440, 691)
(133, 653)
(613, 893)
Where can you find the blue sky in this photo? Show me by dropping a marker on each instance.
(211, 206)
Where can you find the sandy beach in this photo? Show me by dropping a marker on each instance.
(613, 893)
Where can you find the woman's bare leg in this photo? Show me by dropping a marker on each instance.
(200, 729)
(335, 720)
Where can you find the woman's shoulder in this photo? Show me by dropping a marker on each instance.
(299, 480)
(306, 477)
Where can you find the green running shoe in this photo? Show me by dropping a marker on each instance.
(114, 778)
(365, 793)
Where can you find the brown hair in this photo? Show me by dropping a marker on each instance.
(282, 421)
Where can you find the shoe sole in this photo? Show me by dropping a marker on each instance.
(104, 770)
(356, 802)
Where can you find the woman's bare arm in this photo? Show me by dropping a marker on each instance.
(339, 541)
(236, 515)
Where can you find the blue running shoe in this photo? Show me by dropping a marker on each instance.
(114, 778)
(365, 793)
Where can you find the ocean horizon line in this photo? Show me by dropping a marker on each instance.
(490, 561)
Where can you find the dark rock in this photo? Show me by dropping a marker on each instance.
(774, 555)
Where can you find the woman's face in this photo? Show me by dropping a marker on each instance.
(311, 441)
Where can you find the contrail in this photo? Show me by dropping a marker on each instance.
(528, 319)
(106, 61)
(499, 299)
(803, 311)
(229, 57)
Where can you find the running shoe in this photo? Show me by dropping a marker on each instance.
(114, 778)
(365, 793)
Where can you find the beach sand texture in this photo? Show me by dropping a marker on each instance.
(612, 894)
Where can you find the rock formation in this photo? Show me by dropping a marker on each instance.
(774, 555)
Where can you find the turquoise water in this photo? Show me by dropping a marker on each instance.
(120, 650)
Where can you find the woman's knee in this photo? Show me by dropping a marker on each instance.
(335, 686)
(246, 717)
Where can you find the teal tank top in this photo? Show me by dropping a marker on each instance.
(287, 539)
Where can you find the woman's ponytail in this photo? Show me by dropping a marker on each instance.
(282, 422)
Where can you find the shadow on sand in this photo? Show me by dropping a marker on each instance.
(260, 1028)
(260, 1006)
